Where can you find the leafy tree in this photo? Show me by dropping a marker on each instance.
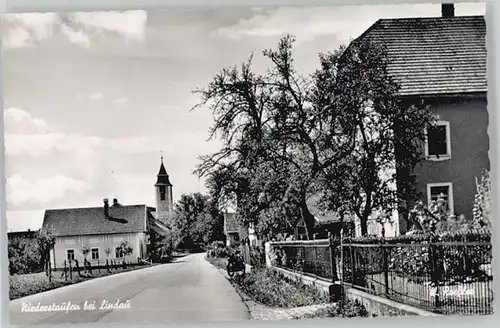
(30, 255)
(125, 248)
(197, 222)
(46, 243)
(160, 246)
(85, 250)
(276, 140)
(24, 256)
(388, 132)
(336, 133)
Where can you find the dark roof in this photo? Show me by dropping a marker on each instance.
(437, 55)
(91, 221)
(21, 234)
(163, 178)
(321, 215)
(231, 223)
(159, 227)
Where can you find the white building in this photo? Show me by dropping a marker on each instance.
(102, 229)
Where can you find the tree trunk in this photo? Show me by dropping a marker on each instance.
(308, 219)
(364, 226)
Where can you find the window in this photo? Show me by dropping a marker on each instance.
(438, 144)
(95, 253)
(70, 254)
(162, 193)
(118, 252)
(441, 190)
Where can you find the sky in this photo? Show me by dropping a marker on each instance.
(92, 98)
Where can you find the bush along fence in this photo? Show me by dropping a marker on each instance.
(447, 274)
(254, 256)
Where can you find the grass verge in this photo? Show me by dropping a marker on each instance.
(265, 287)
(34, 283)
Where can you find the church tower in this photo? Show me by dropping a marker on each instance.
(164, 199)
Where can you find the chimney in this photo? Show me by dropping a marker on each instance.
(447, 10)
(115, 201)
(106, 208)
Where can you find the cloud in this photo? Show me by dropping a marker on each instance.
(96, 96)
(80, 28)
(22, 191)
(345, 22)
(119, 101)
(48, 168)
(17, 120)
(77, 144)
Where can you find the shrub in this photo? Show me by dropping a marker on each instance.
(24, 256)
(266, 287)
(419, 260)
(257, 256)
(348, 309)
(29, 255)
(482, 202)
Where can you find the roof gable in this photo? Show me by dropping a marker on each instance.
(91, 221)
(436, 55)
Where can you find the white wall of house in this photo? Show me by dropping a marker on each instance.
(252, 237)
(375, 228)
(97, 245)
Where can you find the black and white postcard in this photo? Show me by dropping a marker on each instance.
(238, 163)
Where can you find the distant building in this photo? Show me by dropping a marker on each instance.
(237, 233)
(326, 223)
(102, 229)
(442, 61)
(25, 234)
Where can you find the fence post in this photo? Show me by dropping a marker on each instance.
(70, 270)
(333, 262)
(351, 251)
(267, 252)
(63, 273)
(386, 269)
(50, 269)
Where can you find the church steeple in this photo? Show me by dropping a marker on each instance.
(162, 177)
(164, 198)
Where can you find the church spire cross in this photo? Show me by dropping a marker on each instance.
(161, 155)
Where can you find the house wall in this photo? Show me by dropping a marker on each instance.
(469, 152)
(62, 244)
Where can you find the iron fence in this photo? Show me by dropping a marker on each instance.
(315, 257)
(443, 277)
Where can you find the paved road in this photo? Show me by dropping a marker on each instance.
(189, 290)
